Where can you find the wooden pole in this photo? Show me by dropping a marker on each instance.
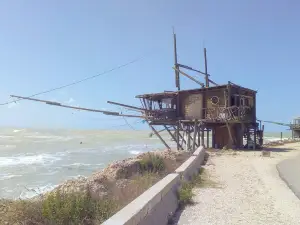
(202, 135)
(167, 129)
(177, 78)
(188, 138)
(194, 138)
(177, 82)
(157, 134)
(182, 137)
(126, 106)
(206, 74)
(207, 140)
(206, 85)
(228, 127)
(198, 131)
(188, 76)
(78, 108)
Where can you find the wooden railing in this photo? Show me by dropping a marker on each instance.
(232, 113)
(162, 114)
(295, 126)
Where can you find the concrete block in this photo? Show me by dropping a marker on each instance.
(162, 212)
(199, 150)
(187, 169)
(138, 209)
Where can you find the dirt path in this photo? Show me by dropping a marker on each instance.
(250, 191)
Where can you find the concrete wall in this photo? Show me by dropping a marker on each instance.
(157, 204)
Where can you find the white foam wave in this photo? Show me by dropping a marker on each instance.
(32, 192)
(17, 131)
(7, 146)
(134, 152)
(27, 160)
(82, 166)
(77, 165)
(8, 176)
(6, 136)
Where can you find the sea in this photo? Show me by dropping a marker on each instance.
(33, 161)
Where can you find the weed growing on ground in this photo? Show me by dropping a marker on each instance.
(203, 180)
(152, 163)
(200, 180)
(58, 209)
(185, 194)
(75, 208)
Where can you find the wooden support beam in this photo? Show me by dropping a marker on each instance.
(188, 138)
(177, 78)
(194, 138)
(188, 76)
(78, 108)
(213, 137)
(157, 134)
(190, 68)
(206, 75)
(213, 82)
(180, 136)
(198, 131)
(202, 135)
(126, 106)
(167, 129)
(207, 139)
(228, 127)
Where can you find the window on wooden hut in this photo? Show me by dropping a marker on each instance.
(232, 100)
(246, 101)
(242, 100)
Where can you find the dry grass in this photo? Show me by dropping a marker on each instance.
(201, 180)
(78, 208)
(204, 180)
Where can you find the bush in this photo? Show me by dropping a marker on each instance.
(57, 209)
(185, 194)
(152, 163)
(20, 212)
(75, 208)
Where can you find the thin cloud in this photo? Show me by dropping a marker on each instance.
(12, 105)
(71, 100)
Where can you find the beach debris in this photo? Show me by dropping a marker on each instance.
(266, 153)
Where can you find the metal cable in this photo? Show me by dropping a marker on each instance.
(76, 82)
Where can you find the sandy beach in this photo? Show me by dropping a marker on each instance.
(249, 189)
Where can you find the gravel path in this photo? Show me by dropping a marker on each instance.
(251, 192)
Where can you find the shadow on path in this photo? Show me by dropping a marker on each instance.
(289, 171)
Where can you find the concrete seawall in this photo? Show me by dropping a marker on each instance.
(157, 204)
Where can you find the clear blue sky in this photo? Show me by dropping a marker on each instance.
(44, 44)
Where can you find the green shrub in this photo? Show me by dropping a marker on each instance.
(185, 194)
(152, 163)
(75, 209)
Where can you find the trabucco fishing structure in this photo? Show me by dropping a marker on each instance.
(225, 112)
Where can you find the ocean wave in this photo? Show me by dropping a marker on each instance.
(6, 136)
(7, 146)
(134, 152)
(81, 166)
(32, 192)
(269, 139)
(77, 165)
(17, 131)
(50, 137)
(8, 176)
(27, 160)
